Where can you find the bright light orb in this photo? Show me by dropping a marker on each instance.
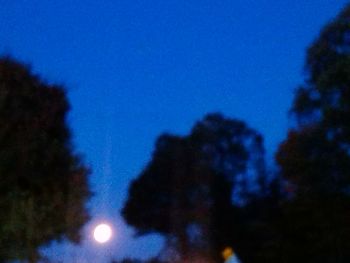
(102, 233)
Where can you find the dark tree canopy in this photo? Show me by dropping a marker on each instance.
(186, 191)
(320, 144)
(315, 158)
(43, 182)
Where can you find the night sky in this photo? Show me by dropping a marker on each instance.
(135, 69)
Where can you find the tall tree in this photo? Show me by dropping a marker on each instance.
(322, 104)
(185, 192)
(43, 182)
(315, 157)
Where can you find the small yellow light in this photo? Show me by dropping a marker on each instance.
(227, 253)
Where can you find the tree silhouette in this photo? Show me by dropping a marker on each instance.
(186, 191)
(43, 182)
(315, 157)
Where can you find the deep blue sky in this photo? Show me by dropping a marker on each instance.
(135, 69)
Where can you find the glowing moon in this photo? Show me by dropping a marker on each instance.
(102, 233)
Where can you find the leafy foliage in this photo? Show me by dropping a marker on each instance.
(43, 183)
(186, 190)
(315, 157)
